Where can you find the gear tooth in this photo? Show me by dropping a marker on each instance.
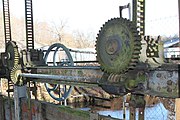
(136, 52)
(134, 60)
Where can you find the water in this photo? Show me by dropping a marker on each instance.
(156, 112)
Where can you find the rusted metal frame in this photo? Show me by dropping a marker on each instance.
(162, 83)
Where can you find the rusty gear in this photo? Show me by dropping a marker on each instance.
(118, 45)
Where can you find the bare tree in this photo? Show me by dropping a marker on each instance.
(84, 40)
(59, 29)
(43, 33)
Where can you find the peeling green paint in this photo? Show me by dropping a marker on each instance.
(80, 72)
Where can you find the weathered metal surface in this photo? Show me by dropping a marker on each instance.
(118, 45)
(163, 83)
(67, 75)
(59, 79)
(93, 72)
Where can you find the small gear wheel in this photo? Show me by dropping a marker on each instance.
(118, 45)
(12, 55)
(14, 75)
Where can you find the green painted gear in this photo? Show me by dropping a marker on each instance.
(12, 55)
(118, 45)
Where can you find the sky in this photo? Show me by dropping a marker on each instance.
(90, 15)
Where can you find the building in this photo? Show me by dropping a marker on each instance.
(172, 49)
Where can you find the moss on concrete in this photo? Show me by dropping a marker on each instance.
(75, 112)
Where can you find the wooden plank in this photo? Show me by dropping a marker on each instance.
(177, 108)
(1, 108)
(45, 111)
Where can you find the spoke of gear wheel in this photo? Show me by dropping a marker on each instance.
(118, 45)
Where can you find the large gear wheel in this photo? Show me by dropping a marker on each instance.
(118, 45)
(12, 55)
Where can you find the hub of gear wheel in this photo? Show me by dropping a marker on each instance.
(118, 45)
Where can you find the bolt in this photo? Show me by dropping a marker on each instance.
(158, 75)
(169, 89)
(169, 82)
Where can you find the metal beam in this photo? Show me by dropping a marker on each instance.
(59, 79)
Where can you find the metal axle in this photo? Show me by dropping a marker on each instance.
(60, 79)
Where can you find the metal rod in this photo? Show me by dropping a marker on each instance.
(76, 51)
(59, 79)
(65, 62)
(68, 67)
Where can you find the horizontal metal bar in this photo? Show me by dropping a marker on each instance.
(67, 67)
(59, 79)
(91, 73)
(76, 62)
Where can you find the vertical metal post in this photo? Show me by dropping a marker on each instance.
(134, 18)
(179, 15)
(19, 92)
(132, 113)
(9, 100)
(129, 8)
(124, 107)
(141, 113)
(178, 99)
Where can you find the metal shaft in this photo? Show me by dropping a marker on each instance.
(60, 79)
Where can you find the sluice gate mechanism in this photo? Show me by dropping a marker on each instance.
(127, 60)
